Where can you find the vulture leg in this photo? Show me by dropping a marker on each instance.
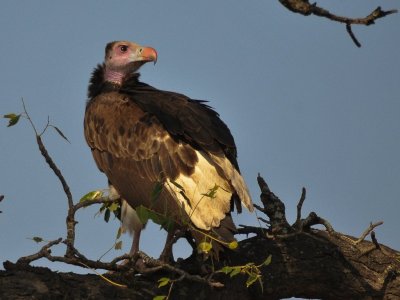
(131, 223)
(135, 242)
(129, 219)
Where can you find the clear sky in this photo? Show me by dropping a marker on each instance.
(306, 107)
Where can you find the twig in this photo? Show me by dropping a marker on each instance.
(47, 126)
(244, 229)
(367, 231)
(374, 240)
(70, 217)
(101, 200)
(274, 208)
(300, 205)
(1, 199)
(28, 117)
(353, 37)
(157, 265)
(44, 251)
(305, 8)
(263, 220)
(314, 219)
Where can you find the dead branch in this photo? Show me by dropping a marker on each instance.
(305, 8)
(367, 231)
(299, 207)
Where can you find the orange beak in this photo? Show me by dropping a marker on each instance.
(148, 54)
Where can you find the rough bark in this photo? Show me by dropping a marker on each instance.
(306, 262)
(309, 265)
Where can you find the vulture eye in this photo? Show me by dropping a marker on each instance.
(123, 48)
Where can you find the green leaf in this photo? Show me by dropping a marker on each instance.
(155, 193)
(163, 281)
(10, 116)
(107, 215)
(119, 232)
(185, 197)
(13, 119)
(60, 133)
(226, 269)
(235, 271)
(118, 245)
(37, 239)
(143, 214)
(233, 245)
(252, 278)
(168, 224)
(212, 192)
(160, 297)
(114, 206)
(178, 185)
(267, 261)
(93, 195)
(204, 247)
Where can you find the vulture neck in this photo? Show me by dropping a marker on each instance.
(100, 83)
(113, 76)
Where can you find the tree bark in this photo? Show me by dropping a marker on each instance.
(306, 262)
(309, 265)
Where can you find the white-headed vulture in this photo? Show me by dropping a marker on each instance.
(141, 136)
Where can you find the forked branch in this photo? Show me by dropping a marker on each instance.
(306, 8)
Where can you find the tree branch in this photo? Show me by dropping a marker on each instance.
(305, 8)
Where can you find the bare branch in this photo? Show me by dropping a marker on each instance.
(353, 37)
(305, 8)
(314, 219)
(300, 205)
(367, 231)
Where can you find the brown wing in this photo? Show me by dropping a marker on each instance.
(120, 131)
(134, 150)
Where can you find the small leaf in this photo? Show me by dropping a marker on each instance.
(107, 215)
(60, 133)
(118, 245)
(114, 206)
(178, 185)
(93, 195)
(233, 245)
(155, 193)
(163, 281)
(235, 271)
(37, 239)
(267, 261)
(10, 116)
(252, 278)
(226, 269)
(143, 214)
(204, 247)
(119, 232)
(212, 192)
(13, 119)
(168, 224)
(160, 297)
(185, 197)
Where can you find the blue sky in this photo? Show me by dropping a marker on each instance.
(306, 107)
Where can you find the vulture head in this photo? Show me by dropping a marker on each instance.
(124, 57)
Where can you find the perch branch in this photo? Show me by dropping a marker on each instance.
(156, 265)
